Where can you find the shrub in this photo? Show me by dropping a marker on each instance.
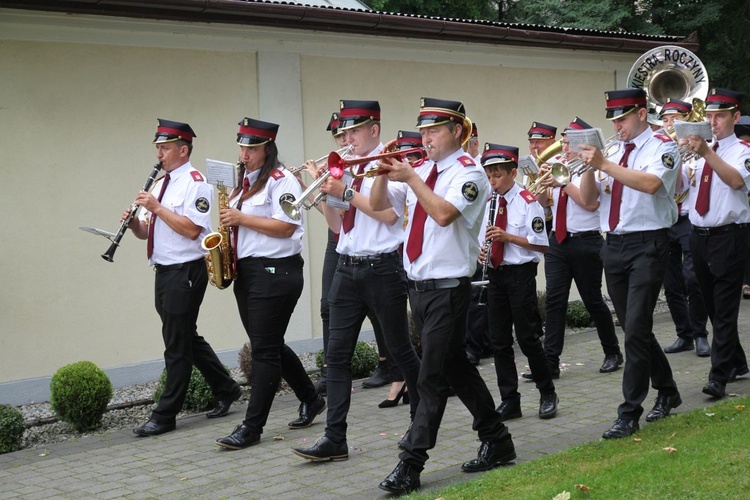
(541, 302)
(199, 396)
(245, 361)
(79, 394)
(416, 340)
(577, 316)
(11, 428)
(364, 360)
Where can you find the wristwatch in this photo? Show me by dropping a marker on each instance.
(348, 194)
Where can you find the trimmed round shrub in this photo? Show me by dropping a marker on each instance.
(245, 361)
(199, 396)
(79, 394)
(577, 316)
(364, 360)
(11, 428)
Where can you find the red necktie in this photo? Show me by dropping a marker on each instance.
(416, 236)
(348, 222)
(152, 220)
(561, 222)
(614, 208)
(702, 203)
(236, 229)
(501, 221)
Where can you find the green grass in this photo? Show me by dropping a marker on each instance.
(712, 460)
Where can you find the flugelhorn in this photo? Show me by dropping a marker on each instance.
(110, 253)
(293, 207)
(337, 165)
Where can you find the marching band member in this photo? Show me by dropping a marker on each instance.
(637, 196)
(369, 276)
(267, 245)
(518, 242)
(445, 199)
(174, 225)
(574, 254)
(681, 288)
(542, 136)
(720, 215)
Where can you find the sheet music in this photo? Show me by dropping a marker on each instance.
(701, 129)
(221, 173)
(527, 165)
(589, 136)
(336, 201)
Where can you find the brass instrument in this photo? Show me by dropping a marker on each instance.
(337, 165)
(293, 207)
(110, 253)
(320, 161)
(218, 245)
(533, 181)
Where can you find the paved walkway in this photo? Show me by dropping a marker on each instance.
(187, 463)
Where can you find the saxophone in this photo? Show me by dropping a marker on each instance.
(218, 245)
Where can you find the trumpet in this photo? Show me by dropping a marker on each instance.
(337, 165)
(320, 161)
(293, 207)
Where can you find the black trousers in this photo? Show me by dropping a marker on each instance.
(179, 291)
(267, 291)
(378, 286)
(719, 261)
(440, 318)
(330, 261)
(634, 267)
(512, 302)
(681, 287)
(577, 258)
(477, 326)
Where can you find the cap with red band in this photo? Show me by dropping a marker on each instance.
(438, 111)
(333, 125)
(576, 124)
(406, 139)
(169, 131)
(256, 132)
(675, 107)
(497, 154)
(540, 130)
(622, 102)
(723, 100)
(355, 113)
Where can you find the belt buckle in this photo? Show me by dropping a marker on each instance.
(703, 231)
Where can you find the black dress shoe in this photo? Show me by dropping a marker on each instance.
(154, 428)
(663, 406)
(611, 363)
(680, 345)
(379, 377)
(223, 405)
(714, 388)
(548, 404)
(622, 427)
(737, 372)
(241, 437)
(404, 479)
(324, 450)
(308, 412)
(702, 348)
(509, 409)
(491, 455)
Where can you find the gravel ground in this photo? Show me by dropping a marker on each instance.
(132, 407)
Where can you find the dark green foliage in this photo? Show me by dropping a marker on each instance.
(577, 316)
(79, 394)
(466, 9)
(364, 360)
(245, 361)
(11, 428)
(541, 303)
(199, 396)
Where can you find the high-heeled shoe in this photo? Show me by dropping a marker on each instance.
(390, 403)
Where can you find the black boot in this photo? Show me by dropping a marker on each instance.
(404, 479)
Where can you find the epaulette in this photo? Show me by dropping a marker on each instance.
(663, 138)
(277, 174)
(745, 143)
(526, 195)
(197, 176)
(466, 161)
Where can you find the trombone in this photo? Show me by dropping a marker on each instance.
(293, 207)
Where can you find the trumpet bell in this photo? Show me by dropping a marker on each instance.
(291, 208)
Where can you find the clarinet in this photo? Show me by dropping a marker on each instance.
(110, 253)
(487, 251)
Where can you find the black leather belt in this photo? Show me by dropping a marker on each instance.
(429, 285)
(637, 235)
(710, 231)
(357, 260)
(582, 234)
(171, 267)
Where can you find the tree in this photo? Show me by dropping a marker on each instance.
(465, 9)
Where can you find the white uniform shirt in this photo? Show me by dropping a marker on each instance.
(189, 195)
(451, 251)
(370, 236)
(578, 219)
(727, 205)
(267, 203)
(525, 219)
(641, 211)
